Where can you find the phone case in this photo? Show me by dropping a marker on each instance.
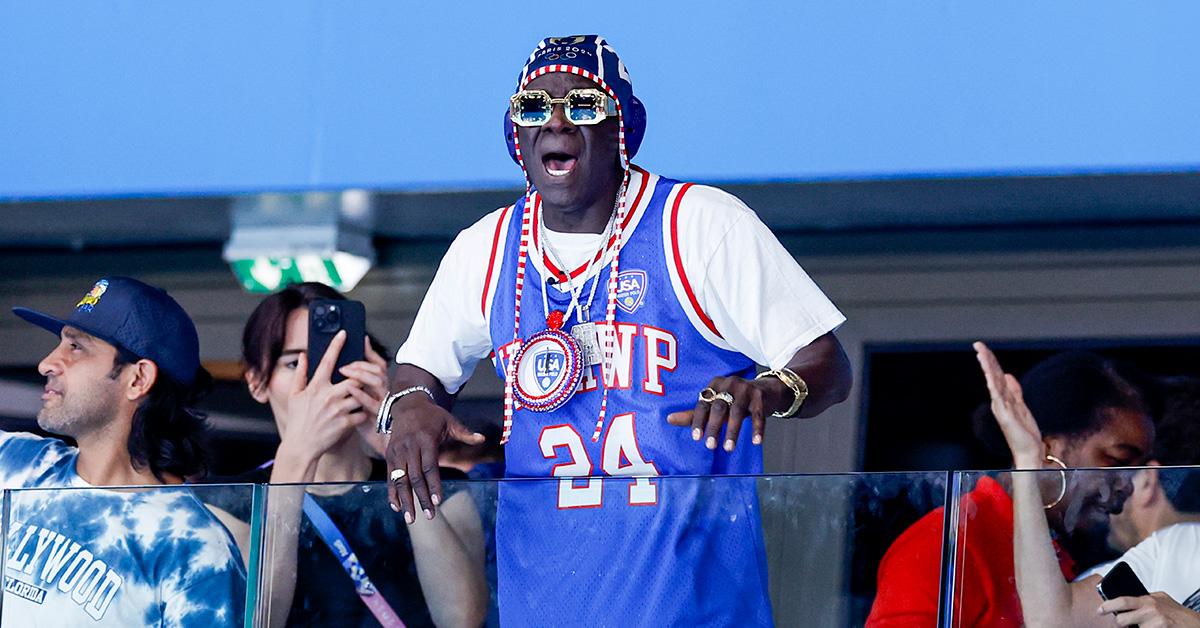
(1121, 581)
(325, 318)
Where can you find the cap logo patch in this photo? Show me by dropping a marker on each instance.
(565, 41)
(90, 299)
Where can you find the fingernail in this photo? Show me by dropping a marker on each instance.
(728, 445)
(757, 440)
(428, 513)
(711, 443)
(696, 434)
(395, 508)
(408, 518)
(437, 501)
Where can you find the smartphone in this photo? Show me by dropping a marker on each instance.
(1121, 582)
(326, 317)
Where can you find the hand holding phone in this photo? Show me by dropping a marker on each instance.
(1121, 582)
(326, 317)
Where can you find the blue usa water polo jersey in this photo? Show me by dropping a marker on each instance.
(646, 551)
(101, 557)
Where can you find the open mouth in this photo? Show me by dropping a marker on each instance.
(559, 164)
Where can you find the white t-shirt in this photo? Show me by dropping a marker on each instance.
(1167, 561)
(759, 299)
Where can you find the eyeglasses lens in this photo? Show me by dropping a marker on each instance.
(581, 107)
(533, 108)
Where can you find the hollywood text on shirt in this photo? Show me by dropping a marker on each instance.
(41, 559)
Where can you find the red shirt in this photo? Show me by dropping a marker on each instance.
(985, 590)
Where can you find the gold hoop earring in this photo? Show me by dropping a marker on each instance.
(1062, 472)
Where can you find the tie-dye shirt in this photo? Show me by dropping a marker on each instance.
(101, 557)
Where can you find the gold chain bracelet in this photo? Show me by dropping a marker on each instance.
(795, 383)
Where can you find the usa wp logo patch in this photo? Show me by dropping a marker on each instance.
(631, 290)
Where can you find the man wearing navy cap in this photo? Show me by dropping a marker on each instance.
(626, 313)
(121, 383)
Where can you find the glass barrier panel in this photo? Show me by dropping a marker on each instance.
(337, 555)
(782, 550)
(1070, 528)
(858, 549)
(169, 555)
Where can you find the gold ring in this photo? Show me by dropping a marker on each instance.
(708, 395)
(726, 397)
(397, 474)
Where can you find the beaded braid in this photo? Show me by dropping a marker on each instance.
(523, 254)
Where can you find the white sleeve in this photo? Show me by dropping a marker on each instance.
(450, 334)
(1165, 560)
(1098, 570)
(758, 297)
(1142, 558)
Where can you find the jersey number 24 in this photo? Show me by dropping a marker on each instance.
(619, 456)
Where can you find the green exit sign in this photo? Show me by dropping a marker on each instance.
(341, 271)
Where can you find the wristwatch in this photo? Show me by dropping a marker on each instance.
(792, 381)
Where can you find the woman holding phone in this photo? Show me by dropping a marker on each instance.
(1047, 598)
(427, 573)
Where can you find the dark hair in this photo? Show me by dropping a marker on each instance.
(1068, 395)
(262, 338)
(169, 435)
(1177, 441)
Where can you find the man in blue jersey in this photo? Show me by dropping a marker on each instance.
(626, 313)
(121, 382)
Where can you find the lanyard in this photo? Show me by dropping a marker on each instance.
(583, 312)
(337, 543)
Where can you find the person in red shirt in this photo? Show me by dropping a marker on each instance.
(1092, 413)
(1165, 562)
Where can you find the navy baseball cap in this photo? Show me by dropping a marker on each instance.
(134, 317)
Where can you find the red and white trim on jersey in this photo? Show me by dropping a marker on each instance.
(681, 283)
(640, 179)
(510, 370)
(494, 261)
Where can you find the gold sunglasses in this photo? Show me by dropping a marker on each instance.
(533, 107)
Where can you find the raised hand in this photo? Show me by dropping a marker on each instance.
(319, 412)
(419, 428)
(1008, 405)
(372, 375)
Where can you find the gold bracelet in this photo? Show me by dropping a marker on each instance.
(792, 381)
